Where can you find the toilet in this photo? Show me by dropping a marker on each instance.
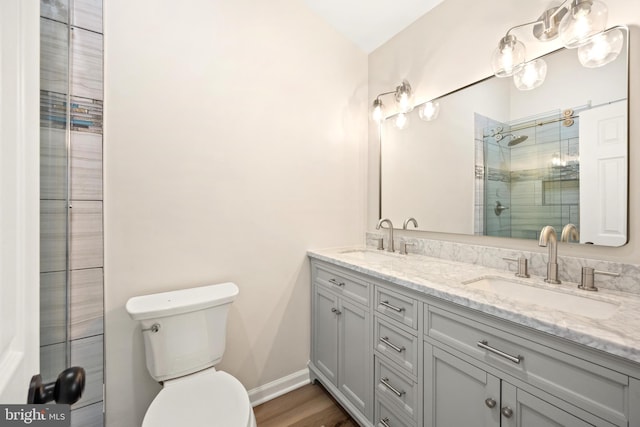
(184, 338)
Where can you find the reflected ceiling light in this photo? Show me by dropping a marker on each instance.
(404, 101)
(601, 49)
(531, 75)
(429, 110)
(577, 22)
(585, 19)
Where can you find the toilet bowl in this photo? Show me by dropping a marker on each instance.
(184, 335)
(207, 398)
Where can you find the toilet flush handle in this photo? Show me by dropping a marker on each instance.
(154, 328)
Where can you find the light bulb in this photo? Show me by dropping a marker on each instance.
(404, 97)
(531, 75)
(601, 49)
(429, 110)
(377, 112)
(401, 121)
(508, 56)
(585, 19)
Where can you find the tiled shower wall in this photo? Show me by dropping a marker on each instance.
(71, 68)
(525, 179)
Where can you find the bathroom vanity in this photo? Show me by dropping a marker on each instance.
(419, 341)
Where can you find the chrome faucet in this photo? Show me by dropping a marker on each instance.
(390, 227)
(569, 232)
(548, 236)
(409, 221)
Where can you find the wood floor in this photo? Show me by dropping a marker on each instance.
(308, 406)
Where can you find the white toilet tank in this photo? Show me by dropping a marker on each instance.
(185, 330)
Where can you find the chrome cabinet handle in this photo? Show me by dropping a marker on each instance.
(485, 344)
(384, 422)
(392, 307)
(392, 345)
(490, 403)
(385, 382)
(507, 412)
(335, 282)
(336, 311)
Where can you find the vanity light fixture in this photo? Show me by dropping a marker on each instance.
(531, 75)
(404, 101)
(584, 19)
(601, 48)
(429, 110)
(401, 121)
(579, 23)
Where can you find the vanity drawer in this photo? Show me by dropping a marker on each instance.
(342, 283)
(397, 307)
(587, 385)
(398, 389)
(398, 345)
(386, 415)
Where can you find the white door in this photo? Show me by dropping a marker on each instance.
(603, 175)
(19, 194)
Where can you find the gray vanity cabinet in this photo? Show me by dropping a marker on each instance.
(341, 338)
(394, 356)
(458, 393)
(455, 392)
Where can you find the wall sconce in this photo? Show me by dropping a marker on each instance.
(403, 96)
(429, 110)
(579, 23)
(404, 101)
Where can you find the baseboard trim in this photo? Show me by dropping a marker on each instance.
(277, 388)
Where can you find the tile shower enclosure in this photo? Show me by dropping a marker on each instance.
(522, 188)
(71, 205)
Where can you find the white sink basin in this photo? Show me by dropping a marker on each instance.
(553, 300)
(365, 255)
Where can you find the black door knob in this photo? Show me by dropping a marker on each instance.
(67, 388)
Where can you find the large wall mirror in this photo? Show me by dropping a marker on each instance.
(498, 161)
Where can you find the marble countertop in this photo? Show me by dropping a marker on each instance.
(618, 334)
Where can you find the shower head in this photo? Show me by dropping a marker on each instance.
(515, 140)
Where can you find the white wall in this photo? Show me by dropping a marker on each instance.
(447, 49)
(235, 140)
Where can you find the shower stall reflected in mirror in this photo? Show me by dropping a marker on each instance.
(527, 174)
(71, 233)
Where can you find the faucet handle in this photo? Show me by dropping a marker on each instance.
(403, 247)
(523, 266)
(587, 279)
(380, 244)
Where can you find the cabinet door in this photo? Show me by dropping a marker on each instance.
(458, 393)
(526, 410)
(354, 355)
(325, 333)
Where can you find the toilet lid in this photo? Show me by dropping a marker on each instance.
(205, 399)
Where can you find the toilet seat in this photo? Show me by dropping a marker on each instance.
(205, 399)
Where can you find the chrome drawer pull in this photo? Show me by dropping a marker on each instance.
(384, 422)
(335, 282)
(385, 382)
(485, 344)
(392, 345)
(392, 307)
(491, 403)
